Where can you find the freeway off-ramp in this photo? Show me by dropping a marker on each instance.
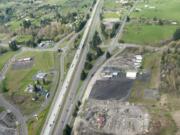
(52, 117)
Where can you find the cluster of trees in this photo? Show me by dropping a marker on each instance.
(79, 26)
(67, 130)
(108, 55)
(51, 32)
(82, 22)
(48, 28)
(76, 109)
(114, 29)
(94, 2)
(77, 41)
(3, 50)
(6, 15)
(45, 21)
(69, 18)
(96, 40)
(112, 33)
(26, 23)
(13, 45)
(94, 46)
(3, 86)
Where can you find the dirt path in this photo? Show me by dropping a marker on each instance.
(176, 117)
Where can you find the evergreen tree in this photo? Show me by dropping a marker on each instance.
(67, 130)
(96, 40)
(99, 51)
(176, 35)
(108, 55)
(83, 75)
(13, 45)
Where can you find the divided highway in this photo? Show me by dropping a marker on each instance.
(71, 98)
(57, 106)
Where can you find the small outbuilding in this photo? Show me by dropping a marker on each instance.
(41, 76)
(131, 74)
(25, 59)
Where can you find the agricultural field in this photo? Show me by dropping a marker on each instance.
(152, 22)
(148, 34)
(163, 9)
(17, 80)
(34, 125)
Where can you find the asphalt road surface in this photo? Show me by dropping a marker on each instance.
(68, 107)
(20, 118)
(71, 99)
(54, 112)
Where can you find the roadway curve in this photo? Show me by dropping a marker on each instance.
(20, 118)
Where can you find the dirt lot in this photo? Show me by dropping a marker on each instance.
(111, 117)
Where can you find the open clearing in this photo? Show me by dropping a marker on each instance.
(147, 34)
(4, 58)
(164, 9)
(17, 80)
(35, 125)
(142, 28)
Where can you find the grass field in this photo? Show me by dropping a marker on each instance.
(5, 57)
(111, 15)
(2, 109)
(164, 9)
(153, 34)
(152, 62)
(147, 34)
(17, 80)
(111, 4)
(34, 125)
(23, 39)
(71, 5)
